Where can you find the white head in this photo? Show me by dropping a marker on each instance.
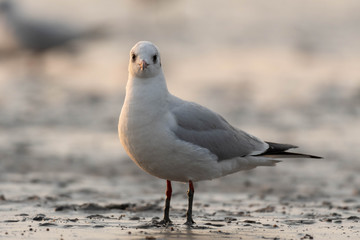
(144, 60)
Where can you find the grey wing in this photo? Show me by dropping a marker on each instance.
(200, 126)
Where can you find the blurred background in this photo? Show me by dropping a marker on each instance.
(285, 71)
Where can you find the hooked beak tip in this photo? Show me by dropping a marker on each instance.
(143, 64)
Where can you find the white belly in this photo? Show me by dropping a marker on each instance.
(155, 149)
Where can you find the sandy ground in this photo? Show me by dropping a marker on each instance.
(285, 72)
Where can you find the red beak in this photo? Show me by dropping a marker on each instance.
(143, 64)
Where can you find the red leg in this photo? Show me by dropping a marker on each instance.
(191, 186)
(168, 189)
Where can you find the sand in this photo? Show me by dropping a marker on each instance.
(283, 72)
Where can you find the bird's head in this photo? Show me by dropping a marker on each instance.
(144, 60)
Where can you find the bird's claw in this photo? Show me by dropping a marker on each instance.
(189, 222)
(165, 222)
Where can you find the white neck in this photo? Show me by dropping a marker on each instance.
(146, 97)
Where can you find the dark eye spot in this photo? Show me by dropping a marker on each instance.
(155, 58)
(133, 57)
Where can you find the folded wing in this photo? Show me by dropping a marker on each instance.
(205, 128)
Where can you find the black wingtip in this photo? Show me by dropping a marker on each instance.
(303, 155)
(278, 147)
(280, 150)
(290, 155)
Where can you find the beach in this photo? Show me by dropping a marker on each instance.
(284, 72)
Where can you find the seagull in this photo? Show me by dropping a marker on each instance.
(178, 140)
(39, 36)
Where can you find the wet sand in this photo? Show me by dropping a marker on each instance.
(290, 76)
(71, 206)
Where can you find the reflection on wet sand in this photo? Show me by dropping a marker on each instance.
(291, 76)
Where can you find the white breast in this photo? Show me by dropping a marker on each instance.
(145, 131)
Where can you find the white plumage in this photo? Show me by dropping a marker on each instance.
(179, 140)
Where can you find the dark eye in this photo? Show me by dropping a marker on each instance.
(155, 58)
(133, 57)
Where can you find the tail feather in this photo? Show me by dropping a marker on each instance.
(278, 150)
